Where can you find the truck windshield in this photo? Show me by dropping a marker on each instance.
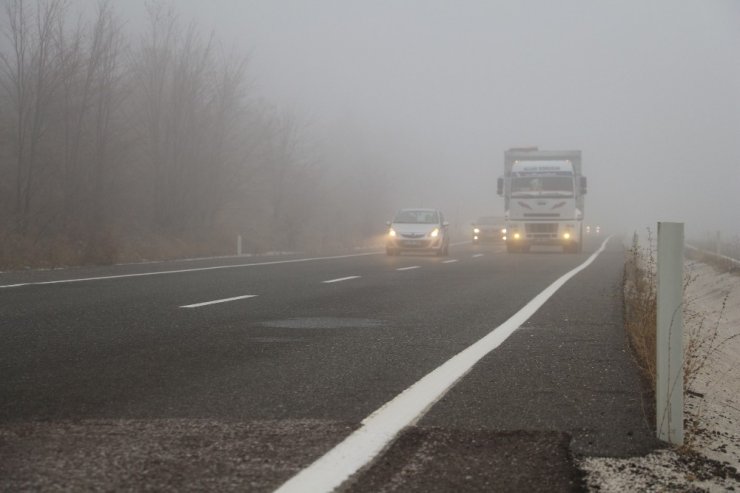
(542, 186)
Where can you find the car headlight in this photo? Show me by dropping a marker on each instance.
(434, 233)
(391, 232)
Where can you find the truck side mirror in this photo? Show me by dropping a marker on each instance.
(500, 186)
(584, 185)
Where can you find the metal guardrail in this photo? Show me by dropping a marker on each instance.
(733, 262)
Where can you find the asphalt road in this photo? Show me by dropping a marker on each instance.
(133, 378)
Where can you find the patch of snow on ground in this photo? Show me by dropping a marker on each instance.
(712, 459)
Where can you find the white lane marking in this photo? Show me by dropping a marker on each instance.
(340, 279)
(197, 269)
(409, 268)
(381, 427)
(450, 261)
(476, 255)
(196, 305)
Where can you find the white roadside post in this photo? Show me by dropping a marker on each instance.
(669, 361)
(239, 245)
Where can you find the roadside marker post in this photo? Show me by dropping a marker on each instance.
(239, 245)
(669, 357)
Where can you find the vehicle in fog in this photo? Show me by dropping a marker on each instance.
(543, 199)
(488, 229)
(418, 230)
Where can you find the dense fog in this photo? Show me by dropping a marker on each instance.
(305, 124)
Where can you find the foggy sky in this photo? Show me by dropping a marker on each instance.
(649, 91)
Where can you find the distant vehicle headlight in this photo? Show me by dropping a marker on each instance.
(503, 231)
(566, 236)
(391, 232)
(516, 236)
(434, 233)
(476, 230)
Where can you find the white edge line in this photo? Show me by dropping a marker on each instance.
(196, 305)
(198, 269)
(409, 268)
(450, 261)
(381, 427)
(348, 278)
(476, 255)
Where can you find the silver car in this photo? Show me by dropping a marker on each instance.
(418, 230)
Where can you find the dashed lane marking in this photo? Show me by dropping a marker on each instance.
(348, 278)
(225, 300)
(410, 268)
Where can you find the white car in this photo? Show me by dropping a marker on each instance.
(418, 230)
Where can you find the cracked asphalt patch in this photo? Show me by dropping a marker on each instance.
(443, 460)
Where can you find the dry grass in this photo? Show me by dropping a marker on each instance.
(105, 248)
(640, 295)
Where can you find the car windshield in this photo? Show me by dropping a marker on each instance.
(417, 217)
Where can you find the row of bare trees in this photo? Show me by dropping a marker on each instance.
(117, 146)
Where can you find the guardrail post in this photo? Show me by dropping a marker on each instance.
(669, 357)
(239, 245)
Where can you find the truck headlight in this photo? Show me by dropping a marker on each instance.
(566, 236)
(517, 236)
(476, 230)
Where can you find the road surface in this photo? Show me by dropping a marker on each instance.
(239, 373)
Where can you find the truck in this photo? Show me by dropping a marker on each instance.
(543, 195)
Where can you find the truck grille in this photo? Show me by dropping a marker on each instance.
(551, 228)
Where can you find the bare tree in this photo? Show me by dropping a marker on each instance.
(31, 76)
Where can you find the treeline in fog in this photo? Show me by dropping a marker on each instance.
(117, 146)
